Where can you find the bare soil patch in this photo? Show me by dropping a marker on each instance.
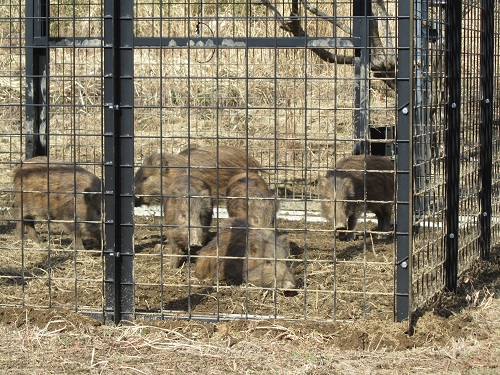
(335, 280)
(457, 333)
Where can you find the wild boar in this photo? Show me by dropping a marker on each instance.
(262, 264)
(57, 191)
(213, 165)
(155, 172)
(346, 189)
(188, 211)
(248, 194)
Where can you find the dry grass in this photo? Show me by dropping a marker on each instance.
(62, 342)
(284, 120)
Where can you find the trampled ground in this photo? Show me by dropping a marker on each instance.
(458, 334)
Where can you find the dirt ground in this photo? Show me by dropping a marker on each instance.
(344, 290)
(456, 334)
(335, 280)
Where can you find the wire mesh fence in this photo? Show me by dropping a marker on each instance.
(273, 159)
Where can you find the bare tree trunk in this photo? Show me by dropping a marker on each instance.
(383, 55)
(383, 60)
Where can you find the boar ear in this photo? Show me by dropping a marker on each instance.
(254, 249)
(153, 159)
(139, 176)
(89, 196)
(164, 163)
(172, 160)
(323, 186)
(205, 192)
(283, 246)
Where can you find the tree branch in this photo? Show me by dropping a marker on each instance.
(292, 25)
(326, 17)
(382, 55)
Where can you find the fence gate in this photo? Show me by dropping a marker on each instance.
(165, 102)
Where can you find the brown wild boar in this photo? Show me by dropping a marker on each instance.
(213, 165)
(155, 172)
(57, 191)
(264, 264)
(217, 165)
(250, 193)
(188, 211)
(343, 191)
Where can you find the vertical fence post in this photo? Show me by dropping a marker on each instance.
(422, 135)
(485, 131)
(452, 138)
(119, 159)
(37, 56)
(404, 160)
(361, 11)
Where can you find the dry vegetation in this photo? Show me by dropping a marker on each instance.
(293, 125)
(460, 334)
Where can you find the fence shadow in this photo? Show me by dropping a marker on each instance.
(189, 302)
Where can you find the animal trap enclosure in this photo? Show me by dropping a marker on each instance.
(223, 160)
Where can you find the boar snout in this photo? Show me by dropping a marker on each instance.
(287, 282)
(139, 201)
(197, 237)
(287, 285)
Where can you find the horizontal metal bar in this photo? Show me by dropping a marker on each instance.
(284, 42)
(210, 43)
(67, 42)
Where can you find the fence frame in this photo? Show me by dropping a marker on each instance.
(486, 126)
(118, 44)
(404, 170)
(119, 159)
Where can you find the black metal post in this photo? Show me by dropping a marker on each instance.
(361, 29)
(37, 96)
(404, 161)
(452, 138)
(422, 120)
(119, 159)
(485, 131)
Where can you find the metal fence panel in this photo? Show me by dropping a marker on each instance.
(495, 234)
(452, 153)
(144, 93)
(51, 103)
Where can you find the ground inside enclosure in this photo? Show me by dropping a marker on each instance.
(334, 279)
(457, 334)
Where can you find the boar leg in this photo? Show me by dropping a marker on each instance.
(176, 254)
(78, 242)
(351, 224)
(29, 225)
(384, 218)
